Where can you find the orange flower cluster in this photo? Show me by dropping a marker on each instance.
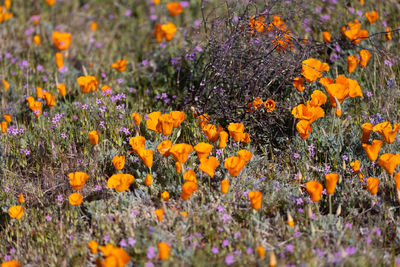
(114, 256)
(258, 102)
(372, 16)
(4, 12)
(88, 83)
(354, 32)
(35, 106)
(138, 146)
(309, 113)
(4, 124)
(164, 123)
(235, 164)
(164, 31)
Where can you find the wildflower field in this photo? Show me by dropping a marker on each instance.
(199, 133)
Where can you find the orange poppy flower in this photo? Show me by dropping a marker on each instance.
(169, 31)
(6, 85)
(61, 40)
(118, 162)
(190, 176)
(152, 121)
(318, 98)
(88, 83)
(160, 214)
(261, 253)
(21, 198)
(10, 263)
(178, 117)
(304, 128)
(203, 150)
(50, 2)
(372, 16)
(245, 138)
(388, 34)
(188, 189)
(16, 212)
(331, 181)
(36, 39)
(93, 138)
(107, 89)
(165, 124)
(223, 138)
(158, 33)
(7, 118)
(137, 143)
(164, 148)
(354, 32)
(178, 167)
(365, 55)
(50, 99)
(224, 186)
(59, 60)
(327, 37)
(342, 87)
(163, 251)
(351, 63)
(389, 162)
(114, 256)
(75, 199)
(270, 105)
(308, 112)
(386, 131)
(174, 9)
(314, 189)
(3, 126)
(119, 65)
(165, 196)
(234, 165)
(181, 152)
(372, 185)
(184, 214)
(245, 155)
(373, 149)
(120, 182)
(93, 245)
(93, 26)
(146, 155)
(312, 69)
(208, 165)
(255, 199)
(77, 179)
(62, 89)
(136, 118)
(236, 131)
(356, 166)
(254, 105)
(367, 129)
(39, 92)
(211, 132)
(37, 108)
(298, 84)
(148, 180)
